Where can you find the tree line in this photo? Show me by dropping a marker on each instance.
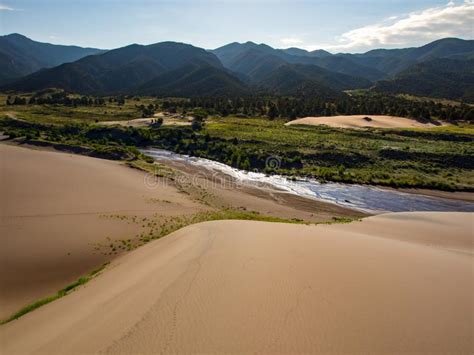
(294, 107)
(275, 107)
(61, 98)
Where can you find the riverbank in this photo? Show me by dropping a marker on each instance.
(452, 195)
(365, 198)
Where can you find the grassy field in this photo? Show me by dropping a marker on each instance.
(437, 158)
(59, 114)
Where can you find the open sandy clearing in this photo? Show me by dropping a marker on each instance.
(359, 121)
(136, 122)
(254, 287)
(168, 120)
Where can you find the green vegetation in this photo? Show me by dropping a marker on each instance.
(148, 166)
(341, 220)
(173, 224)
(158, 226)
(63, 292)
(40, 108)
(439, 158)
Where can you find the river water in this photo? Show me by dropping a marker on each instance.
(361, 197)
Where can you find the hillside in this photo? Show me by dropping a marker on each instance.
(20, 56)
(194, 80)
(254, 64)
(440, 78)
(297, 78)
(393, 61)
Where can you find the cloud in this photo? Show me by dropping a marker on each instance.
(412, 29)
(451, 20)
(291, 41)
(6, 8)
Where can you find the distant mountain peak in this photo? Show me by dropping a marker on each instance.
(320, 53)
(16, 35)
(20, 55)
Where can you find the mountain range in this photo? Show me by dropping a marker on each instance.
(444, 68)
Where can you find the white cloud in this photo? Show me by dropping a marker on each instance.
(412, 29)
(291, 41)
(5, 8)
(451, 20)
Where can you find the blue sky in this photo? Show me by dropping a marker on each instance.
(347, 26)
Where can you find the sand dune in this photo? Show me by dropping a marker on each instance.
(358, 121)
(54, 209)
(449, 230)
(387, 284)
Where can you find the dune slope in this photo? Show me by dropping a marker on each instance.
(54, 210)
(241, 286)
(60, 214)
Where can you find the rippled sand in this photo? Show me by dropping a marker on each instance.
(400, 282)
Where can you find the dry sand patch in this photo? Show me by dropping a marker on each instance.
(168, 120)
(360, 121)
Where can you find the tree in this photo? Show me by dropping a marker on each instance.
(196, 124)
(157, 123)
(470, 115)
(272, 111)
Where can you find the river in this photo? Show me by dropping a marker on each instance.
(360, 197)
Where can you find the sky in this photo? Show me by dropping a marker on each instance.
(334, 25)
